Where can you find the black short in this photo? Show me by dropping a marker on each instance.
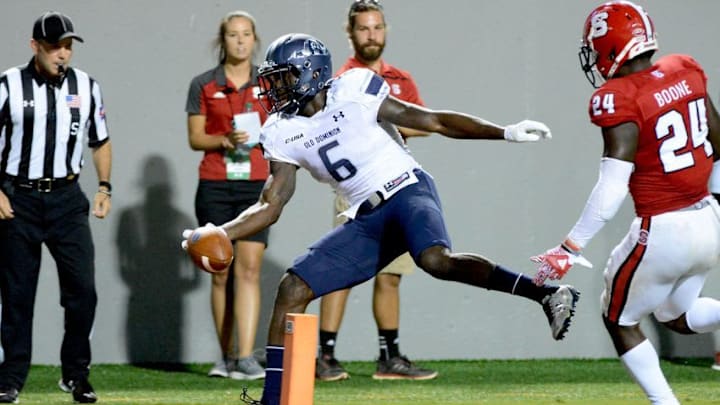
(219, 201)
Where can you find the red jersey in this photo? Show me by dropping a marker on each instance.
(213, 96)
(402, 85)
(674, 159)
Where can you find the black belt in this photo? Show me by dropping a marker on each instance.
(372, 202)
(45, 185)
(376, 199)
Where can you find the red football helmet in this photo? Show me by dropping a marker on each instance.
(614, 33)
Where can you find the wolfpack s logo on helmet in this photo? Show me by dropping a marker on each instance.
(614, 33)
(296, 68)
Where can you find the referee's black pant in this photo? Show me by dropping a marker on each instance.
(59, 219)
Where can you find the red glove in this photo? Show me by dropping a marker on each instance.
(556, 262)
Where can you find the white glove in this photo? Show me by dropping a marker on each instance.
(556, 262)
(187, 232)
(527, 131)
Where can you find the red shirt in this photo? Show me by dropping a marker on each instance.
(213, 96)
(674, 159)
(402, 85)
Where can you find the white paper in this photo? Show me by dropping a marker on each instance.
(250, 123)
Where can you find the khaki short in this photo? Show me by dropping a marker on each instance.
(402, 265)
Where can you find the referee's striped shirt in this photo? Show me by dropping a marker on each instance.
(42, 125)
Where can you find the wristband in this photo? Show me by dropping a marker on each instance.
(107, 193)
(571, 246)
(105, 184)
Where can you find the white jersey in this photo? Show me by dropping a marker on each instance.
(344, 145)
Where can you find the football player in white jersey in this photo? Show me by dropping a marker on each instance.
(335, 129)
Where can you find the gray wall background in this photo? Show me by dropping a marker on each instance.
(502, 60)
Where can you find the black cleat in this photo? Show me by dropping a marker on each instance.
(81, 390)
(9, 395)
(401, 368)
(327, 368)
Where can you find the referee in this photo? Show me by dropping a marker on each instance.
(47, 109)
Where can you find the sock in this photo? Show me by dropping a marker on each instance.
(504, 280)
(704, 315)
(273, 375)
(327, 343)
(644, 365)
(389, 344)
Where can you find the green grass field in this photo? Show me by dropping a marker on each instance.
(460, 382)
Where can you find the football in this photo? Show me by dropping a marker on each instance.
(210, 249)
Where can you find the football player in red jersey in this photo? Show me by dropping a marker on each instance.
(661, 133)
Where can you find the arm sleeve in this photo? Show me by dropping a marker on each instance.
(97, 131)
(613, 104)
(4, 105)
(273, 129)
(193, 104)
(714, 185)
(604, 201)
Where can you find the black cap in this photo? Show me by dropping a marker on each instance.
(52, 27)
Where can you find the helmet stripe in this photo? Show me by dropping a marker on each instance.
(646, 20)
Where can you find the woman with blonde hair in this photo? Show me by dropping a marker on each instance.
(224, 116)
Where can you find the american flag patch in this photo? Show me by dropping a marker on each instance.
(102, 112)
(72, 100)
(396, 181)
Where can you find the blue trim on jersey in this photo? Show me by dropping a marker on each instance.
(410, 221)
(375, 85)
